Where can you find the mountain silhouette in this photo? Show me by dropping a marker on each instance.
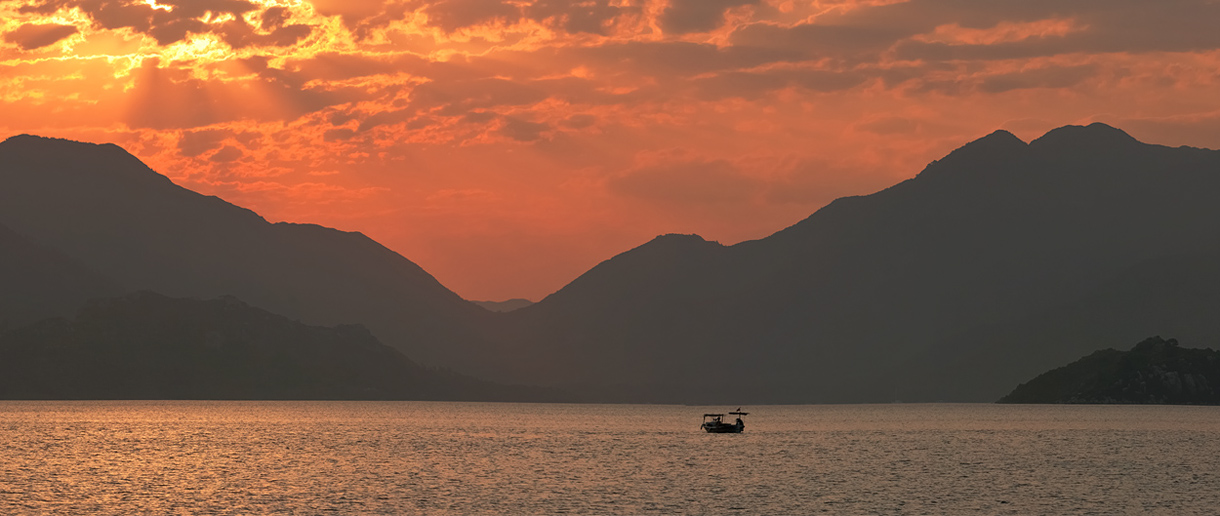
(996, 262)
(38, 282)
(504, 306)
(104, 209)
(1155, 371)
(865, 299)
(147, 346)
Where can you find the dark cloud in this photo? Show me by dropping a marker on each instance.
(455, 98)
(751, 85)
(273, 18)
(591, 16)
(866, 34)
(239, 34)
(385, 117)
(1048, 77)
(333, 66)
(226, 154)
(817, 41)
(175, 24)
(687, 16)
(522, 130)
(334, 135)
(699, 181)
(1103, 26)
(194, 143)
(31, 36)
(479, 117)
(451, 15)
(653, 59)
(579, 121)
(421, 123)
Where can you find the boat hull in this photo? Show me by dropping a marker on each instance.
(723, 428)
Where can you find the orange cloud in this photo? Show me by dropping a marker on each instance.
(30, 36)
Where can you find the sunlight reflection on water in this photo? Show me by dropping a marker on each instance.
(485, 458)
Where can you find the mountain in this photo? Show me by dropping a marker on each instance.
(996, 262)
(105, 210)
(147, 346)
(504, 306)
(1155, 371)
(870, 296)
(1178, 294)
(38, 282)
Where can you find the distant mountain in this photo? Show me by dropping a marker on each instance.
(997, 262)
(105, 210)
(1155, 371)
(148, 346)
(504, 306)
(38, 282)
(871, 296)
(1178, 294)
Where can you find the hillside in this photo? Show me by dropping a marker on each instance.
(148, 346)
(994, 263)
(1155, 371)
(38, 282)
(843, 305)
(105, 210)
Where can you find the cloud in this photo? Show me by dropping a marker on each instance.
(171, 97)
(194, 143)
(31, 36)
(240, 35)
(853, 43)
(523, 131)
(578, 121)
(751, 85)
(590, 16)
(696, 182)
(173, 23)
(1046, 77)
(1095, 26)
(226, 154)
(688, 16)
(451, 15)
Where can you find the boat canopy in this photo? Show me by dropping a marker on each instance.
(713, 415)
(740, 413)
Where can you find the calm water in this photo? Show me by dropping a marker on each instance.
(463, 458)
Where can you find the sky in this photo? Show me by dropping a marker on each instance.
(507, 146)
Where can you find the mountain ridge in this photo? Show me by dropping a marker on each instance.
(851, 304)
(868, 283)
(144, 345)
(102, 207)
(1155, 371)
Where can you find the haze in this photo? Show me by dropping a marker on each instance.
(508, 146)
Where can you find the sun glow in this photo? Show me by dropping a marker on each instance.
(155, 5)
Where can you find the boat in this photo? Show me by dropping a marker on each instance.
(715, 424)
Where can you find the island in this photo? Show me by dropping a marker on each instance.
(1155, 371)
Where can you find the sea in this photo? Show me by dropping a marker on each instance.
(264, 457)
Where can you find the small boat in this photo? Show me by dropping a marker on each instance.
(715, 424)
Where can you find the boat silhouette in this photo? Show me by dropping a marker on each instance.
(715, 424)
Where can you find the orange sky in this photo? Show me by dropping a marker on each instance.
(509, 145)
